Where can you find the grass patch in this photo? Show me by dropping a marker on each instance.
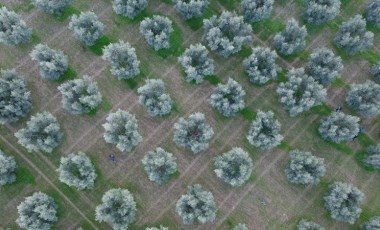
(175, 108)
(24, 176)
(365, 140)
(245, 51)
(26, 7)
(120, 20)
(341, 147)
(35, 38)
(229, 4)
(285, 146)
(67, 12)
(213, 80)
(230, 222)
(339, 82)
(70, 74)
(175, 175)
(176, 48)
(322, 110)
(371, 56)
(248, 114)
(281, 76)
(97, 48)
(359, 157)
(197, 23)
(267, 27)
(105, 105)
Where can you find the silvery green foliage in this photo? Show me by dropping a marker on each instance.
(158, 228)
(228, 98)
(375, 70)
(7, 169)
(261, 65)
(320, 11)
(353, 36)
(13, 30)
(37, 212)
(364, 98)
(15, 100)
(53, 63)
(77, 170)
(227, 34)
(324, 66)
(196, 63)
(373, 12)
(117, 208)
(197, 205)
(121, 129)
(42, 133)
(129, 8)
(309, 225)
(304, 168)
(265, 131)
(80, 95)
(153, 96)
(157, 30)
(291, 40)
(51, 6)
(193, 133)
(123, 59)
(241, 227)
(372, 157)
(191, 8)
(256, 10)
(338, 127)
(86, 27)
(159, 165)
(300, 92)
(233, 167)
(372, 224)
(343, 202)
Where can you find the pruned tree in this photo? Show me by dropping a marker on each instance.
(372, 224)
(53, 63)
(86, 27)
(372, 157)
(300, 92)
(256, 10)
(191, 8)
(13, 30)
(291, 40)
(154, 97)
(77, 170)
(343, 202)
(241, 227)
(304, 168)
(51, 6)
(15, 99)
(338, 127)
(193, 133)
(129, 8)
(375, 70)
(123, 59)
(196, 63)
(228, 98)
(42, 133)
(265, 130)
(37, 212)
(157, 30)
(373, 12)
(159, 165)
(7, 169)
(324, 66)
(320, 11)
(261, 65)
(121, 129)
(309, 225)
(227, 33)
(353, 36)
(80, 95)
(158, 228)
(118, 208)
(197, 205)
(233, 167)
(365, 98)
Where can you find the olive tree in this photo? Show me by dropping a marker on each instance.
(291, 40)
(193, 133)
(261, 65)
(77, 170)
(154, 97)
(158, 228)
(197, 205)
(196, 63)
(343, 202)
(320, 11)
(353, 36)
(51, 6)
(53, 63)
(13, 30)
(15, 99)
(241, 227)
(372, 224)
(159, 165)
(375, 70)
(227, 33)
(365, 98)
(309, 225)
(191, 8)
(37, 212)
(256, 10)
(338, 127)
(373, 12)
(86, 27)
(7, 169)
(300, 92)
(129, 8)
(265, 131)
(228, 98)
(372, 157)
(157, 30)
(118, 208)
(121, 129)
(80, 95)
(42, 133)
(123, 59)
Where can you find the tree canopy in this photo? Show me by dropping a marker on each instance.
(372, 224)
(373, 12)
(372, 156)
(320, 11)
(129, 8)
(338, 127)
(375, 70)
(309, 225)
(51, 6)
(13, 30)
(157, 30)
(86, 27)
(364, 98)
(191, 8)
(7, 169)
(291, 40)
(256, 10)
